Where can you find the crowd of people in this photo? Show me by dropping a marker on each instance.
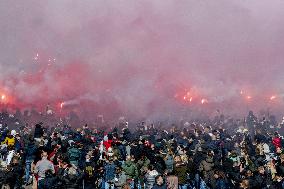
(223, 153)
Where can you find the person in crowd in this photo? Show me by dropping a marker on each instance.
(120, 178)
(221, 182)
(159, 183)
(29, 152)
(150, 177)
(89, 168)
(206, 168)
(10, 141)
(180, 170)
(131, 171)
(72, 177)
(221, 153)
(109, 168)
(42, 167)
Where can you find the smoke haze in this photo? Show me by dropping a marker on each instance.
(140, 58)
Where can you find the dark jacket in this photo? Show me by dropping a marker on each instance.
(169, 163)
(262, 180)
(30, 151)
(221, 184)
(130, 170)
(72, 181)
(180, 170)
(74, 155)
(109, 171)
(13, 177)
(159, 186)
(38, 131)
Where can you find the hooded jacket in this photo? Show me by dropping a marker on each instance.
(130, 170)
(277, 142)
(9, 140)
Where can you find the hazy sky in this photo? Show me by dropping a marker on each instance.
(141, 57)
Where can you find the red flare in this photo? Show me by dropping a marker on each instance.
(272, 97)
(203, 101)
(61, 105)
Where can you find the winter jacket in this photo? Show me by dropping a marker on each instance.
(221, 184)
(278, 185)
(206, 165)
(262, 180)
(50, 182)
(109, 171)
(142, 165)
(277, 142)
(159, 186)
(10, 141)
(206, 168)
(13, 177)
(180, 170)
(130, 170)
(30, 151)
(160, 165)
(38, 131)
(169, 163)
(107, 144)
(74, 155)
(72, 181)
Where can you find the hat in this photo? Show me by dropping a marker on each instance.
(105, 138)
(13, 133)
(245, 130)
(70, 142)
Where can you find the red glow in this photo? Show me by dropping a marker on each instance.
(203, 101)
(61, 105)
(272, 97)
(188, 97)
